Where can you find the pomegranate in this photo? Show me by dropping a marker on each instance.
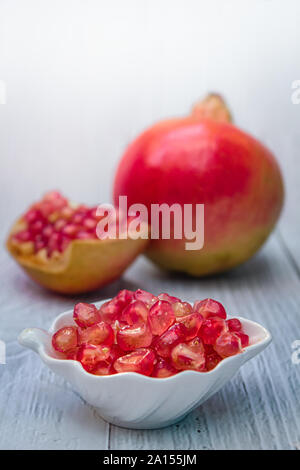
(204, 159)
(127, 334)
(56, 243)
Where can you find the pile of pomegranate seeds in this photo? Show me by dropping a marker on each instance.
(52, 223)
(155, 336)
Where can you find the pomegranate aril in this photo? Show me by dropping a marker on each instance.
(181, 309)
(163, 369)
(70, 230)
(83, 235)
(161, 317)
(243, 337)
(135, 313)
(212, 360)
(111, 311)
(168, 298)
(103, 368)
(134, 337)
(166, 342)
(140, 361)
(211, 329)
(23, 236)
(86, 315)
(189, 355)
(210, 308)
(234, 324)
(125, 296)
(192, 324)
(90, 355)
(101, 333)
(146, 297)
(65, 339)
(228, 344)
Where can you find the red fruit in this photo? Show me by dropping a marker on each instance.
(192, 324)
(168, 298)
(211, 329)
(86, 315)
(111, 311)
(228, 344)
(163, 369)
(90, 356)
(189, 355)
(56, 243)
(168, 340)
(182, 309)
(101, 333)
(106, 367)
(210, 308)
(140, 361)
(65, 339)
(146, 297)
(135, 313)
(161, 317)
(125, 297)
(204, 159)
(234, 324)
(212, 360)
(134, 337)
(244, 338)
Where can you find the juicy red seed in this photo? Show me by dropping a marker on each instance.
(192, 324)
(146, 297)
(210, 308)
(244, 338)
(234, 324)
(211, 329)
(182, 309)
(163, 369)
(161, 317)
(134, 337)
(228, 344)
(168, 298)
(23, 236)
(83, 235)
(135, 313)
(125, 297)
(65, 339)
(212, 360)
(103, 368)
(90, 356)
(189, 355)
(140, 361)
(166, 342)
(86, 315)
(111, 311)
(101, 333)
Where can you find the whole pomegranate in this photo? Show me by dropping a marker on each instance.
(204, 159)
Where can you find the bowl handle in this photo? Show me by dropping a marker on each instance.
(33, 338)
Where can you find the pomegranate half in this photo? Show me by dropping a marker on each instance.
(56, 244)
(204, 159)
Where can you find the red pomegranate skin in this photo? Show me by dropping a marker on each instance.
(199, 160)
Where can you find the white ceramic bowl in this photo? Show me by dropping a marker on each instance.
(133, 400)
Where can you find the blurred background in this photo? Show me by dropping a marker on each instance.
(84, 77)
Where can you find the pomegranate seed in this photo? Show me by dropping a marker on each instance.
(134, 337)
(146, 297)
(101, 333)
(212, 360)
(90, 356)
(72, 355)
(70, 230)
(189, 355)
(163, 369)
(140, 361)
(65, 339)
(234, 324)
(210, 308)
(103, 368)
(168, 298)
(228, 344)
(161, 317)
(192, 324)
(33, 215)
(82, 235)
(86, 315)
(23, 236)
(135, 313)
(211, 329)
(111, 311)
(125, 297)
(244, 338)
(166, 342)
(182, 309)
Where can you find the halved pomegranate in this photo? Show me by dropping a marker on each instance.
(56, 243)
